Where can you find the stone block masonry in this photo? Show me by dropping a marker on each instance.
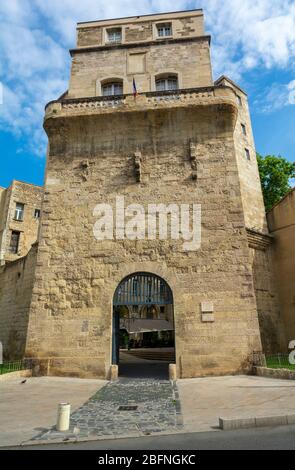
(16, 285)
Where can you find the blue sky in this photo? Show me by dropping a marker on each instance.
(253, 42)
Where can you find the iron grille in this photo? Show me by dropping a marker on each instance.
(143, 289)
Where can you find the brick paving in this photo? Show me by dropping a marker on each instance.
(157, 409)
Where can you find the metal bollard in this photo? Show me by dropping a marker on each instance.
(63, 417)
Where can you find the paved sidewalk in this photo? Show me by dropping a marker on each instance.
(26, 409)
(124, 408)
(204, 400)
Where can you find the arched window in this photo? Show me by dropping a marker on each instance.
(112, 88)
(169, 82)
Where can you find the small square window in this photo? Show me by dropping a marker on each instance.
(19, 211)
(114, 35)
(247, 154)
(164, 29)
(244, 131)
(239, 100)
(37, 213)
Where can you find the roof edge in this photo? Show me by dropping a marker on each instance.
(225, 77)
(140, 16)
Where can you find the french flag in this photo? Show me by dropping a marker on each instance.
(134, 88)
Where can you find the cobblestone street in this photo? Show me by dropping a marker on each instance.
(152, 407)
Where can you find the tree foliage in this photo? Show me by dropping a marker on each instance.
(275, 173)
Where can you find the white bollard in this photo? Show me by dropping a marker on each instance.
(172, 372)
(63, 417)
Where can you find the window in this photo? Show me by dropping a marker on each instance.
(168, 83)
(14, 241)
(164, 29)
(114, 35)
(244, 129)
(37, 214)
(247, 153)
(114, 88)
(239, 100)
(19, 211)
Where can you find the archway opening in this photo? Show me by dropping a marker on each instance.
(143, 343)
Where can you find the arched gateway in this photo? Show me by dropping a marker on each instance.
(143, 320)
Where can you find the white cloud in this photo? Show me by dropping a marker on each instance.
(251, 34)
(35, 36)
(275, 97)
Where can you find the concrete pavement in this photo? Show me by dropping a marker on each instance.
(204, 400)
(26, 409)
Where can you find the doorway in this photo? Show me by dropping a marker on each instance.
(143, 340)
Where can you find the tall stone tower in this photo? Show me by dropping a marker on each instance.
(143, 120)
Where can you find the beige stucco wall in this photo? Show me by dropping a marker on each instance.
(281, 221)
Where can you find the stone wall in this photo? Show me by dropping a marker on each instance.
(189, 60)
(187, 156)
(285, 374)
(268, 306)
(31, 196)
(281, 220)
(252, 197)
(141, 29)
(16, 285)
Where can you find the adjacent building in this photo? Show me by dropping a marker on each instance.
(281, 221)
(20, 211)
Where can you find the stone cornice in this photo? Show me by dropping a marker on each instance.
(258, 240)
(106, 47)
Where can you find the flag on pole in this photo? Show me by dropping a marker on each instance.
(134, 88)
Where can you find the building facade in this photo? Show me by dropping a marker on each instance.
(20, 211)
(281, 221)
(143, 123)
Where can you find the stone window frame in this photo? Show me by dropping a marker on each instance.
(14, 247)
(37, 214)
(105, 35)
(19, 212)
(239, 99)
(244, 129)
(247, 154)
(168, 72)
(134, 53)
(100, 82)
(156, 30)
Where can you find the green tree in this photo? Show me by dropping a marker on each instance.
(275, 173)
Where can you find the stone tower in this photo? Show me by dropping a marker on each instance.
(143, 120)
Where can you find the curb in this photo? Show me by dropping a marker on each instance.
(229, 424)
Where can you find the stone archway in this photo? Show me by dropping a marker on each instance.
(143, 320)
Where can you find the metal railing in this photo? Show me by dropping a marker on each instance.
(14, 366)
(279, 361)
